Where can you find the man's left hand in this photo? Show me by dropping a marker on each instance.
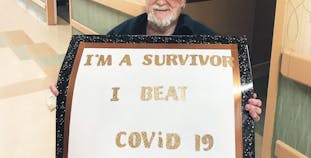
(254, 107)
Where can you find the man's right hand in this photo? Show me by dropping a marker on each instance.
(54, 89)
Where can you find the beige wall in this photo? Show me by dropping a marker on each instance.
(289, 98)
(226, 17)
(254, 19)
(297, 29)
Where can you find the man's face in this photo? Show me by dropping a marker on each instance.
(163, 12)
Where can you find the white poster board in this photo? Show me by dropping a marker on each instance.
(154, 101)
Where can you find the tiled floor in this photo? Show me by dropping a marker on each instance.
(30, 56)
(27, 126)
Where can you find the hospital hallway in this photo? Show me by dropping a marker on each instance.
(30, 56)
(31, 53)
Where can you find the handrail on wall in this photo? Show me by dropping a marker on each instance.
(296, 66)
(283, 150)
(39, 3)
(130, 7)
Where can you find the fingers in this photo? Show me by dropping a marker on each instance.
(256, 102)
(255, 116)
(254, 111)
(252, 108)
(257, 119)
(54, 89)
(255, 95)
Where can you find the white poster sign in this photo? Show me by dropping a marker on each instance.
(154, 101)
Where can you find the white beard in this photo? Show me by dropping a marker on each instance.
(161, 23)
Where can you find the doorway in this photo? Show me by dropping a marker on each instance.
(63, 9)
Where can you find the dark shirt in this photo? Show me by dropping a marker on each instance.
(138, 26)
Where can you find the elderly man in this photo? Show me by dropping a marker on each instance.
(164, 17)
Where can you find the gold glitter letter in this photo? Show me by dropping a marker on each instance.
(157, 93)
(147, 59)
(127, 60)
(146, 93)
(118, 139)
(193, 59)
(172, 141)
(134, 143)
(197, 142)
(206, 140)
(103, 61)
(88, 60)
(209, 141)
(172, 93)
(227, 60)
(171, 59)
(147, 142)
(183, 60)
(160, 141)
(202, 60)
(115, 94)
(215, 60)
(183, 92)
